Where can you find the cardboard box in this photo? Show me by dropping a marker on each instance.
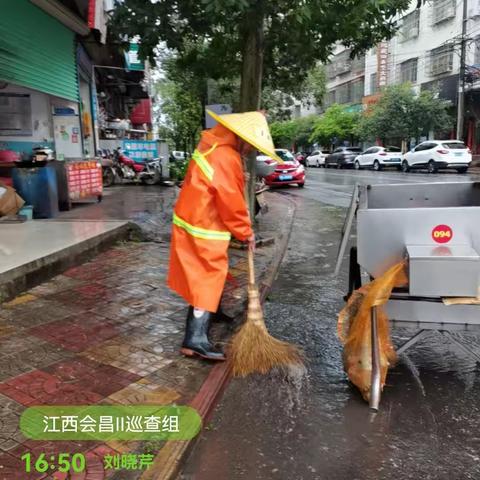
(10, 202)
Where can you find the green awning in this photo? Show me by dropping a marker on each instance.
(36, 50)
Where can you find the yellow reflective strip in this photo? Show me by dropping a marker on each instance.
(203, 164)
(208, 152)
(200, 232)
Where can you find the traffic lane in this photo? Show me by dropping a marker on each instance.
(334, 187)
(320, 428)
(349, 176)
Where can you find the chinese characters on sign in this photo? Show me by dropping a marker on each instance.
(84, 179)
(111, 424)
(382, 64)
(140, 150)
(107, 422)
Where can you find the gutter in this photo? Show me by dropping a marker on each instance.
(63, 15)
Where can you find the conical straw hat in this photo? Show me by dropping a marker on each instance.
(251, 127)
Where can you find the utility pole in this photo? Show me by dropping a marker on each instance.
(461, 76)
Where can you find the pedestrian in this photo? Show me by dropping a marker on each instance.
(211, 208)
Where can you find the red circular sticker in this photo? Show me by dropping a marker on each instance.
(442, 234)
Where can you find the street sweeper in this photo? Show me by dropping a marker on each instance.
(211, 208)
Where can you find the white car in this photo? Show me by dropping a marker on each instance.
(317, 158)
(178, 155)
(379, 158)
(436, 154)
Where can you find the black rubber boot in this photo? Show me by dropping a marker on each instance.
(196, 342)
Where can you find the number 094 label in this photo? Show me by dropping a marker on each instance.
(442, 234)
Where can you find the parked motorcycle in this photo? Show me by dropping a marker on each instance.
(125, 168)
(108, 173)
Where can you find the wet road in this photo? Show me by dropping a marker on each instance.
(334, 187)
(320, 428)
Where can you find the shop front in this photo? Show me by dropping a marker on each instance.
(38, 82)
(45, 93)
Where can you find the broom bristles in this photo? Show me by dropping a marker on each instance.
(253, 349)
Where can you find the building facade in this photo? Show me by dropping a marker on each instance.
(39, 83)
(345, 79)
(425, 52)
(62, 83)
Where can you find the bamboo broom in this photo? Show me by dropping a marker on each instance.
(252, 348)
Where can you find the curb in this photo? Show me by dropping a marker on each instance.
(170, 458)
(29, 275)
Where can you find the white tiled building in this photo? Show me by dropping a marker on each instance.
(426, 48)
(345, 78)
(425, 52)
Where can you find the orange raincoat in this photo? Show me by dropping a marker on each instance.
(211, 207)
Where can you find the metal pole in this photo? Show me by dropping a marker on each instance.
(461, 76)
(375, 389)
(346, 230)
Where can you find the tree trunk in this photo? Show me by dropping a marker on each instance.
(252, 32)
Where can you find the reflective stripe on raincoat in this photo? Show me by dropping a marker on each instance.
(211, 207)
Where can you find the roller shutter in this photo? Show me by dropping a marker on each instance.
(36, 50)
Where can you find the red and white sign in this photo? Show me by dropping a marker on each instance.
(84, 179)
(382, 64)
(442, 234)
(97, 18)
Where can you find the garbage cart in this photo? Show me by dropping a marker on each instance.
(435, 227)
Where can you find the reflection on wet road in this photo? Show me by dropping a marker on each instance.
(429, 423)
(335, 187)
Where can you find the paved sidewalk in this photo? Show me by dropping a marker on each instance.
(108, 331)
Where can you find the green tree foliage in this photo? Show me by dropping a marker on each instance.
(182, 96)
(256, 40)
(279, 105)
(403, 114)
(293, 134)
(335, 125)
(183, 114)
(316, 84)
(220, 38)
(283, 133)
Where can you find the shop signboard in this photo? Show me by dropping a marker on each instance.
(355, 108)
(369, 101)
(132, 59)
(140, 150)
(84, 179)
(382, 64)
(219, 109)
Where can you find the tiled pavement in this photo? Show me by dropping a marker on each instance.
(107, 331)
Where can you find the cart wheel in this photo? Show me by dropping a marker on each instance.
(99, 198)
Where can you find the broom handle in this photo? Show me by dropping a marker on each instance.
(251, 268)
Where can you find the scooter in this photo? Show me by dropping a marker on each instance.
(148, 172)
